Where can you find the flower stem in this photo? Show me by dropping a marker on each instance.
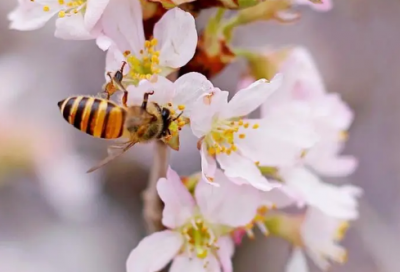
(153, 205)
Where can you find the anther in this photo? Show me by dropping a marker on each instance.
(46, 8)
(242, 136)
(257, 163)
(61, 14)
(61, 2)
(154, 42)
(181, 107)
(246, 125)
(255, 126)
(240, 122)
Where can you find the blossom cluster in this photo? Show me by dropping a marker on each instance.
(252, 169)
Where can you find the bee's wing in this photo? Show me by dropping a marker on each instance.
(117, 151)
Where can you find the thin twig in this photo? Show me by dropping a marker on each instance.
(153, 205)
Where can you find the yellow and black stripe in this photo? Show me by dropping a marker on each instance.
(97, 117)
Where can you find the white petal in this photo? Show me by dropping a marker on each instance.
(177, 37)
(30, 15)
(154, 252)
(340, 166)
(225, 253)
(73, 28)
(229, 204)
(282, 197)
(184, 263)
(237, 166)
(189, 88)
(325, 159)
(163, 91)
(208, 164)
(204, 111)
(122, 22)
(337, 201)
(283, 135)
(319, 234)
(114, 58)
(178, 202)
(297, 261)
(247, 100)
(94, 10)
(103, 42)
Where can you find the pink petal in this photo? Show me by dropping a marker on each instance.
(247, 100)
(122, 23)
(103, 42)
(336, 201)
(184, 263)
(283, 135)
(73, 28)
(204, 111)
(225, 253)
(177, 37)
(30, 15)
(237, 166)
(297, 261)
(178, 202)
(282, 197)
(339, 166)
(324, 6)
(163, 91)
(229, 204)
(94, 10)
(208, 165)
(114, 58)
(154, 252)
(189, 88)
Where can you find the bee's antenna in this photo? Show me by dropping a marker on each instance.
(176, 118)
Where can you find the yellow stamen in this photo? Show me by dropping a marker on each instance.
(257, 163)
(46, 8)
(255, 126)
(246, 125)
(61, 14)
(242, 136)
(240, 122)
(181, 107)
(61, 2)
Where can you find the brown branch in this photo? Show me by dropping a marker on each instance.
(153, 205)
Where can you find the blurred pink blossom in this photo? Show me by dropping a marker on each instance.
(76, 21)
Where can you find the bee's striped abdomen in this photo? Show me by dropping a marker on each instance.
(98, 117)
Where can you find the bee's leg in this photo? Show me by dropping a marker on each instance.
(119, 75)
(146, 99)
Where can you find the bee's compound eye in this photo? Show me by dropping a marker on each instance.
(165, 113)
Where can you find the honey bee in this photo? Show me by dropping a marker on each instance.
(105, 119)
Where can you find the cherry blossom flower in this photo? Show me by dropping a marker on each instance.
(322, 5)
(331, 117)
(320, 235)
(172, 46)
(77, 19)
(198, 226)
(240, 145)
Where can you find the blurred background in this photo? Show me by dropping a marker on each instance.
(54, 217)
